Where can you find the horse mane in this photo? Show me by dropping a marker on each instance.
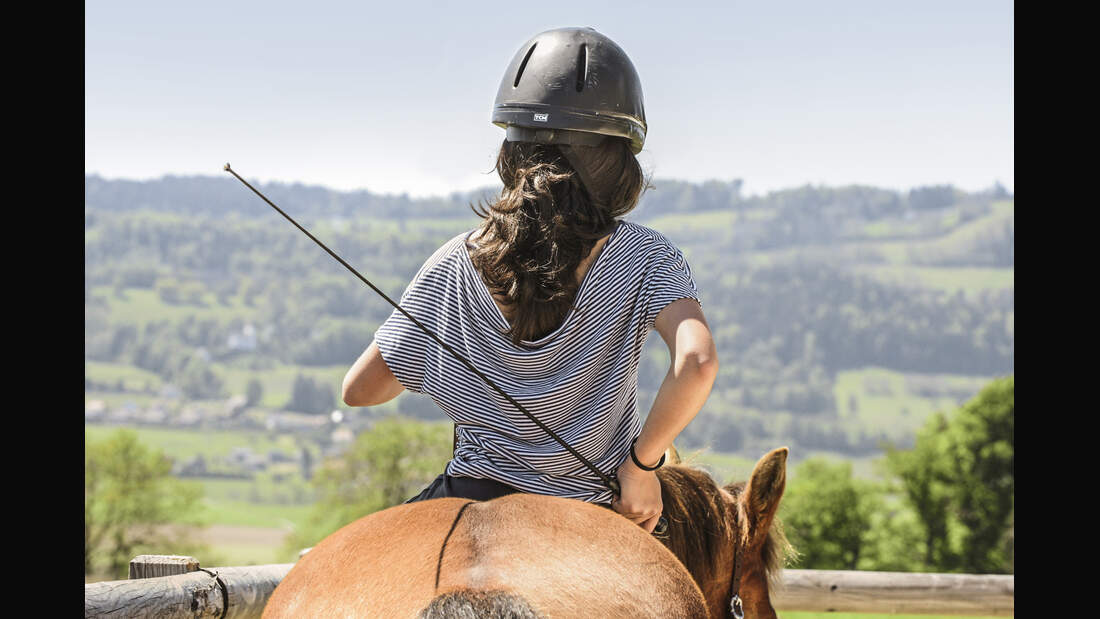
(701, 525)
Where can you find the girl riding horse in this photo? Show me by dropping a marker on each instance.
(553, 296)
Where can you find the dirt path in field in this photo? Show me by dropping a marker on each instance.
(231, 545)
(217, 534)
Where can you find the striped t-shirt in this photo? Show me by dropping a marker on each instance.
(580, 380)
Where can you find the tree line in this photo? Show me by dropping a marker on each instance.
(221, 196)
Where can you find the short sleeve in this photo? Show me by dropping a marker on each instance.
(405, 348)
(669, 280)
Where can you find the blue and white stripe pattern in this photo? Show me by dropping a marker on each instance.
(580, 380)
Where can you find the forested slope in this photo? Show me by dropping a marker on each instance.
(843, 316)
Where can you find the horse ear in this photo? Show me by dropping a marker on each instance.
(766, 485)
(671, 455)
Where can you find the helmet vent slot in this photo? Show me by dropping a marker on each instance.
(582, 66)
(523, 65)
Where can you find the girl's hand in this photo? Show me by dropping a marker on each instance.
(641, 495)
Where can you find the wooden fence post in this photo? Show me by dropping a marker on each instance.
(151, 566)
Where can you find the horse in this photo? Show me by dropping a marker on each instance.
(533, 556)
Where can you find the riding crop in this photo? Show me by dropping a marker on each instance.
(611, 483)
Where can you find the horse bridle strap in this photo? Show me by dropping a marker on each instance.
(735, 600)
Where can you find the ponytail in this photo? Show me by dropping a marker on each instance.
(546, 222)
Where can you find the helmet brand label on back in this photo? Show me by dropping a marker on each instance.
(541, 117)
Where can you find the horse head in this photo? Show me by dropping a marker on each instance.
(716, 531)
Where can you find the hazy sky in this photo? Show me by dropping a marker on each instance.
(396, 96)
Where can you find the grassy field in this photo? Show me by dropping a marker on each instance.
(900, 402)
(866, 467)
(954, 242)
(723, 467)
(257, 515)
(113, 399)
(185, 444)
(970, 280)
(237, 545)
(243, 533)
(132, 378)
(139, 306)
(689, 223)
(278, 381)
(726, 468)
(891, 228)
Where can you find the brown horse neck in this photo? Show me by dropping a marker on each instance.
(703, 530)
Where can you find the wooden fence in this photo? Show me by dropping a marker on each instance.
(177, 587)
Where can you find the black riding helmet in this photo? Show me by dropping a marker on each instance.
(571, 86)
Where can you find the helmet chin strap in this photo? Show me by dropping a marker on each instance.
(553, 136)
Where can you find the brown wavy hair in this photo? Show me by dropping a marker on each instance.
(546, 221)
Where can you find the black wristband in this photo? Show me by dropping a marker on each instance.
(634, 457)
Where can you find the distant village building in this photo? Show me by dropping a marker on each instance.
(245, 458)
(189, 417)
(195, 467)
(236, 405)
(342, 435)
(287, 421)
(244, 341)
(154, 415)
(95, 410)
(118, 415)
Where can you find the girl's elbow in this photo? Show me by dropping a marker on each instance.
(702, 364)
(707, 366)
(351, 395)
(349, 400)
(364, 392)
(359, 399)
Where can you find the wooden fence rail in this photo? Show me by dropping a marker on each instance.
(235, 592)
(241, 592)
(896, 592)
